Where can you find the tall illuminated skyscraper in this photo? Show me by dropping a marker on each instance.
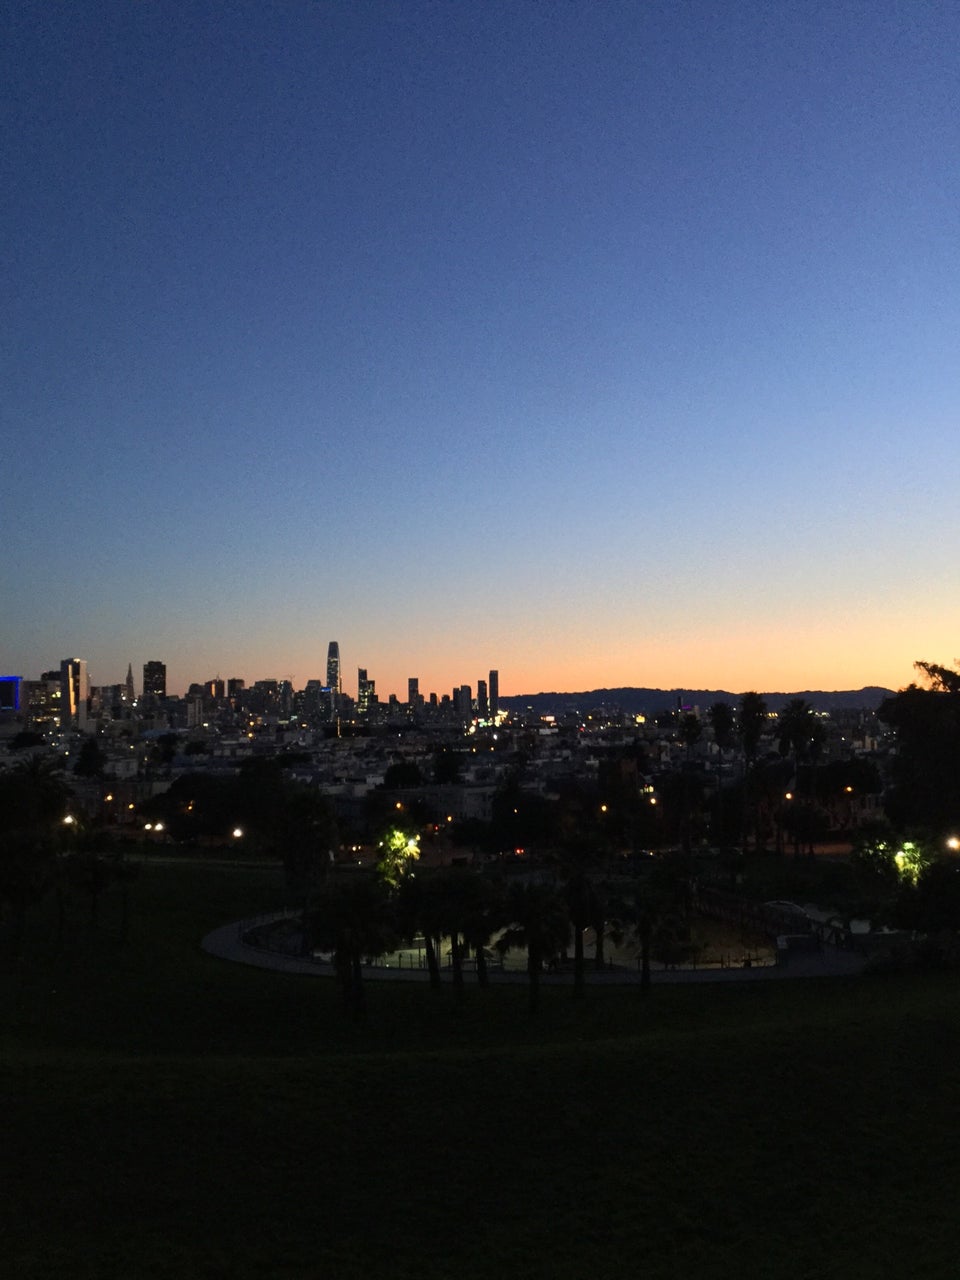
(333, 668)
(493, 693)
(74, 692)
(364, 689)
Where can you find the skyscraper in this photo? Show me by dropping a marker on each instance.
(483, 707)
(154, 681)
(413, 692)
(333, 668)
(129, 696)
(363, 692)
(494, 693)
(74, 692)
(463, 703)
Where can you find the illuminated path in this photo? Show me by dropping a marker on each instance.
(226, 943)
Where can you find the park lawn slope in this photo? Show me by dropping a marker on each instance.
(243, 1127)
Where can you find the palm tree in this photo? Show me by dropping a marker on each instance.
(691, 731)
(539, 922)
(752, 718)
(482, 918)
(581, 899)
(467, 912)
(354, 917)
(797, 727)
(722, 722)
(420, 913)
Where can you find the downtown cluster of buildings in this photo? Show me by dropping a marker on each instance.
(64, 699)
(123, 746)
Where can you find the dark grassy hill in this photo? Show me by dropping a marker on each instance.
(169, 1114)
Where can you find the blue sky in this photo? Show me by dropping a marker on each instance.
(601, 343)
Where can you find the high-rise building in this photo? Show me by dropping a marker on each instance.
(74, 692)
(483, 709)
(154, 681)
(333, 667)
(494, 694)
(363, 692)
(463, 702)
(129, 694)
(413, 693)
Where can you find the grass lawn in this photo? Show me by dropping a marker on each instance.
(169, 1114)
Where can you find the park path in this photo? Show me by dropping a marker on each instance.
(226, 943)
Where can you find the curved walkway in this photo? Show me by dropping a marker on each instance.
(226, 943)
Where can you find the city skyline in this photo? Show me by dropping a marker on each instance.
(611, 343)
(153, 677)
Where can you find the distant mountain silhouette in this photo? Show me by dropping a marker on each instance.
(653, 701)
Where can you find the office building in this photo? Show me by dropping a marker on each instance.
(365, 689)
(154, 681)
(493, 693)
(74, 693)
(333, 667)
(463, 702)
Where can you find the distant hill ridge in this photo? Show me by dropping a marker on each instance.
(653, 701)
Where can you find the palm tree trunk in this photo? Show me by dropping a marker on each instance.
(456, 961)
(358, 996)
(599, 959)
(432, 963)
(533, 976)
(483, 978)
(579, 965)
(646, 932)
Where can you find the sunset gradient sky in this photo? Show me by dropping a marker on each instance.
(602, 343)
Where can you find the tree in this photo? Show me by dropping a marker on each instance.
(447, 765)
(538, 921)
(354, 917)
(468, 913)
(751, 721)
(398, 850)
(690, 731)
(91, 760)
(33, 803)
(925, 795)
(402, 774)
(307, 838)
(420, 913)
(723, 723)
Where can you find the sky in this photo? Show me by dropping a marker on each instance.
(600, 343)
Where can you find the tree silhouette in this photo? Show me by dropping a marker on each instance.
(91, 760)
(352, 916)
(538, 921)
(723, 723)
(752, 718)
(926, 770)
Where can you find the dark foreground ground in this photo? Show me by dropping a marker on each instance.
(168, 1114)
